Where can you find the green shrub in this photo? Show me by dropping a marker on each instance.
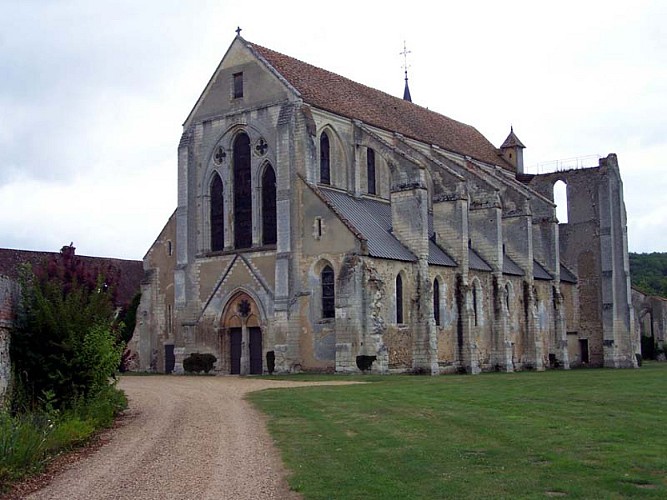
(68, 433)
(22, 444)
(197, 362)
(27, 440)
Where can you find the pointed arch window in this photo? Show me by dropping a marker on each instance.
(217, 215)
(399, 299)
(560, 199)
(325, 159)
(508, 293)
(436, 301)
(242, 193)
(328, 292)
(370, 171)
(475, 303)
(269, 233)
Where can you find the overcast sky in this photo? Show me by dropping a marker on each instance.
(93, 95)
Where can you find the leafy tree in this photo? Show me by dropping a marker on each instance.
(649, 272)
(65, 345)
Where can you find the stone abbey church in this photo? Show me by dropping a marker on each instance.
(323, 225)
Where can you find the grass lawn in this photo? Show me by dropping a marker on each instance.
(579, 433)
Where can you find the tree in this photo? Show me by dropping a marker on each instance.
(65, 345)
(649, 272)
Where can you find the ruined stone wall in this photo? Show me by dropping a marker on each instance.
(593, 244)
(9, 301)
(650, 317)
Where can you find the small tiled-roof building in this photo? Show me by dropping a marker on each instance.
(322, 224)
(127, 275)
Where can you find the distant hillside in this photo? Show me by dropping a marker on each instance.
(649, 272)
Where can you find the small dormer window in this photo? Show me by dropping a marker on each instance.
(238, 85)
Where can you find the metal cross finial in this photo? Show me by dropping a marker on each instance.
(238, 31)
(405, 58)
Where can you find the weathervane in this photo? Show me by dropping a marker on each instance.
(405, 59)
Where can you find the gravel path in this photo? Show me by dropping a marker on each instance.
(183, 438)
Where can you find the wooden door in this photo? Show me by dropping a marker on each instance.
(235, 339)
(255, 350)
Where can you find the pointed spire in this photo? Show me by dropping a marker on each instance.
(512, 140)
(406, 91)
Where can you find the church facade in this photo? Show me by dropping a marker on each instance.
(322, 225)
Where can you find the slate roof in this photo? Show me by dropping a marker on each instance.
(566, 275)
(539, 273)
(130, 272)
(476, 262)
(510, 267)
(371, 220)
(437, 256)
(331, 92)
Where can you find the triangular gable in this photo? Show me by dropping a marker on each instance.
(238, 273)
(263, 84)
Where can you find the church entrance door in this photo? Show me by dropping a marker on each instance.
(255, 351)
(241, 338)
(235, 341)
(235, 350)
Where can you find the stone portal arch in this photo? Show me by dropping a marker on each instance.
(241, 338)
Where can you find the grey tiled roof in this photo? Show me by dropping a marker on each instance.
(539, 273)
(566, 275)
(476, 262)
(510, 267)
(372, 219)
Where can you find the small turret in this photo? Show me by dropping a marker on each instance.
(512, 151)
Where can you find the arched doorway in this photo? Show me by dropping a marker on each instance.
(242, 337)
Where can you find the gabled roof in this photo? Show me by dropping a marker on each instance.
(331, 92)
(130, 272)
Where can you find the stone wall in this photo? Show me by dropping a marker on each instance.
(650, 318)
(9, 297)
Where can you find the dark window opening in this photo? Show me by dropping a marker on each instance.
(474, 304)
(319, 227)
(436, 302)
(325, 170)
(328, 293)
(217, 215)
(238, 85)
(399, 299)
(370, 170)
(242, 193)
(583, 348)
(269, 232)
